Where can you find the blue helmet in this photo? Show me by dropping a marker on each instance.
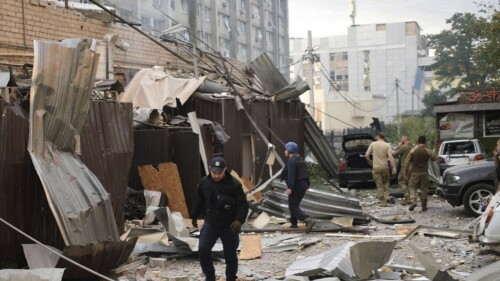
(292, 147)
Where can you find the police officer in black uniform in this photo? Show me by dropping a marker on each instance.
(296, 177)
(222, 201)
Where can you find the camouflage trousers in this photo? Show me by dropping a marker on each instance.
(382, 178)
(403, 184)
(420, 180)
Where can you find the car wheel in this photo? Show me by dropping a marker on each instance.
(476, 198)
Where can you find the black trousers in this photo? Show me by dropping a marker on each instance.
(230, 241)
(294, 199)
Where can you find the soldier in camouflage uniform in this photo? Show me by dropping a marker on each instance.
(402, 152)
(417, 171)
(382, 154)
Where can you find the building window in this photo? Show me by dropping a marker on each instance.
(242, 52)
(184, 6)
(224, 47)
(255, 12)
(207, 13)
(258, 34)
(243, 4)
(256, 52)
(241, 27)
(184, 35)
(491, 123)
(345, 56)
(224, 22)
(269, 38)
(159, 24)
(366, 71)
(332, 74)
(172, 5)
(380, 27)
(332, 56)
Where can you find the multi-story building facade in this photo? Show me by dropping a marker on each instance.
(376, 70)
(240, 29)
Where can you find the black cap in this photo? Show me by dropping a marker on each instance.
(217, 164)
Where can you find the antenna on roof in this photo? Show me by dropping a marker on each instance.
(352, 11)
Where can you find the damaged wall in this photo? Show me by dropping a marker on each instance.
(22, 200)
(155, 146)
(107, 149)
(283, 118)
(22, 22)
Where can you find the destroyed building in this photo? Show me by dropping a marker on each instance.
(101, 134)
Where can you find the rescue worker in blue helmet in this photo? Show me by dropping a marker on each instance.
(296, 177)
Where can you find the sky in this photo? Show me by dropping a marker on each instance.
(326, 18)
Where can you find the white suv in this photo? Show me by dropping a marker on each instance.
(458, 152)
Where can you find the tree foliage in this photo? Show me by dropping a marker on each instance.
(413, 127)
(468, 53)
(432, 98)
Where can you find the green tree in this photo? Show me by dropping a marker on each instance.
(468, 53)
(413, 127)
(430, 99)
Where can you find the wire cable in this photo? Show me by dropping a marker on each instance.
(55, 252)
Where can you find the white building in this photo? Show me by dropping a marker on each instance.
(377, 71)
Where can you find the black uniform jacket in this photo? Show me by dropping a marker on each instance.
(221, 202)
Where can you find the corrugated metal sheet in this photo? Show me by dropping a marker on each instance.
(63, 77)
(107, 148)
(316, 203)
(322, 150)
(151, 147)
(101, 258)
(272, 79)
(187, 159)
(22, 201)
(274, 82)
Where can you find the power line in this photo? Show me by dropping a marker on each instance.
(328, 115)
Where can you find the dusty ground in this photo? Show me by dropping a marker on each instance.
(457, 254)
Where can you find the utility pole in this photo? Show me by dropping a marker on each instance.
(397, 103)
(311, 75)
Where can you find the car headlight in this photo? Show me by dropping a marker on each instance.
(451, 178)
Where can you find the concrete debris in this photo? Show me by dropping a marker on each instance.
(142, 273)
(158, 262)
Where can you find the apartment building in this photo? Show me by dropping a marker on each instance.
(240, 29)
(376, 70)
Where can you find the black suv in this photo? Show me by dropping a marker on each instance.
(470, 185)
(353, 167)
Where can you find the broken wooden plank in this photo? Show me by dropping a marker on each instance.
(251, 247)
(167, 180)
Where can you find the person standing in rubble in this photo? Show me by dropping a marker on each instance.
(296, 177)
(417, 172)
(402, 151)
(222, 201)
(382, 155)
